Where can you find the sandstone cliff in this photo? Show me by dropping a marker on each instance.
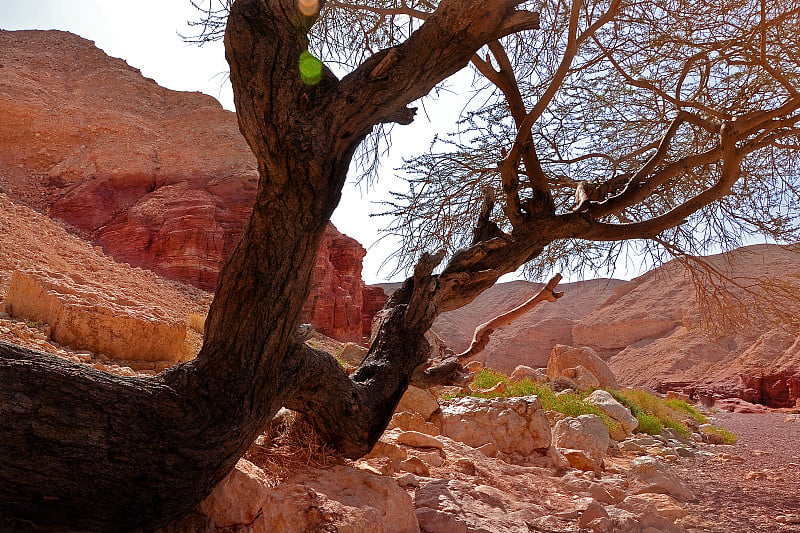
(160, 179)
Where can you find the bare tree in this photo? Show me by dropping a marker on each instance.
(616, 120)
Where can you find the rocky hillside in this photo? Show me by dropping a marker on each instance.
(658, 331)
(160, 179)
(529, 340)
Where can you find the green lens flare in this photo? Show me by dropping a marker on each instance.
(310, 68)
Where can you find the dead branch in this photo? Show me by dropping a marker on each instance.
(485, 330)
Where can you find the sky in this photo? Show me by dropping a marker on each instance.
(147, 34)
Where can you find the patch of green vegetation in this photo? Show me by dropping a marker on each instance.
(30, 323)
(652, 412)
(726, 436)
(688, 409)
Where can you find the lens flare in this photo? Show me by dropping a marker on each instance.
(308, 8)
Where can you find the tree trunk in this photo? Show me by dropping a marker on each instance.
(83, 449)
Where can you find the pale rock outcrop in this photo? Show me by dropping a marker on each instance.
(340, 498)
(453, 506)
(565, 357)
(616, 411)
(583, 440)
(416, 439)
(238, 498)
(410, 421)
(87, 316)
(650, 474)
(417, 400)
(517, 427)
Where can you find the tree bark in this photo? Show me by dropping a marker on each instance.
(87, 450)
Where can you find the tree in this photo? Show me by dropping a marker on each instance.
(687, 118)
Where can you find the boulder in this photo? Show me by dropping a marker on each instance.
(419, 401)
(616, 411)
(564, 357)
(352, 353)
(583, 440)
(238, 498)
(650, 474)
(340, 498)
(122, 323)
(415, 439)
(514, 426)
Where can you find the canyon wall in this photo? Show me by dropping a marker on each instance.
(160, 179)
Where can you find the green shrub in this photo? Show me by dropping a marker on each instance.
(686, 408)
(649, 424)
(726, 436)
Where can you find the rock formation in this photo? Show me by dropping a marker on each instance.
(160, 179)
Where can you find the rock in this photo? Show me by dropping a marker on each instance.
(616, 411)
(665, 505)
(474, 366)
(411, 421)
(737, 405)
(564, 357)
(338, 499)
(592, 512)
(415, 466)
(513, 425)
(585, 434)
(418, 400)
(238, 498)
(710, 434)
(419, 440)
(352, 353)
(160, 179)
(466, 466)
(649, 474)
(754, 475)
(387, 449)
(123, 323)
(433, 458)
(449, 506)
(584, 379)
(525, 372)
(408, 480)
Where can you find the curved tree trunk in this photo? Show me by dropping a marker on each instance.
(84, 449)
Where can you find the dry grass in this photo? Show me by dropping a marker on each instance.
(197, 322)
(290, 444)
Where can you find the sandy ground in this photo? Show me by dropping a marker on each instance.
(768, 452)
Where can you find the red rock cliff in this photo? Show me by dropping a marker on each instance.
(161, 179)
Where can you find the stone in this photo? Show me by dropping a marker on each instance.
(563, 357)
(525, 372)
(387, 449)
(512, 425)
(466, 466)
(124, 323)
(408, 480)
(754, 475)
(586, 434)
(419, 440)
(665, 505)
(582, 378)
(593, 511)
(710, 434)
(352, 353)
(415, 466)
(341, 499)
(411, 421)
(431, 458)
(616, 411)
(418, 400)
(649, 474)
(239, 497)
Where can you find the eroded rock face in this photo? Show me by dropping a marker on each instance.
(161, 179)
(101, 319)
(516, 427)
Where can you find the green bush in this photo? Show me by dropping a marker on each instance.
(683, 407)
(726, 436)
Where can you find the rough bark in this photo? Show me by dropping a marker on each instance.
(92, 451)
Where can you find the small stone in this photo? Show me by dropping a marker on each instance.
(465, 466)
(416, 439)
(408, 480)
(488, 449)
(415, 465)
(753, 475)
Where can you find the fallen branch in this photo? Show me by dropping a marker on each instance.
(485, 330)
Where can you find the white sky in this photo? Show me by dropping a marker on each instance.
(146, 34)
